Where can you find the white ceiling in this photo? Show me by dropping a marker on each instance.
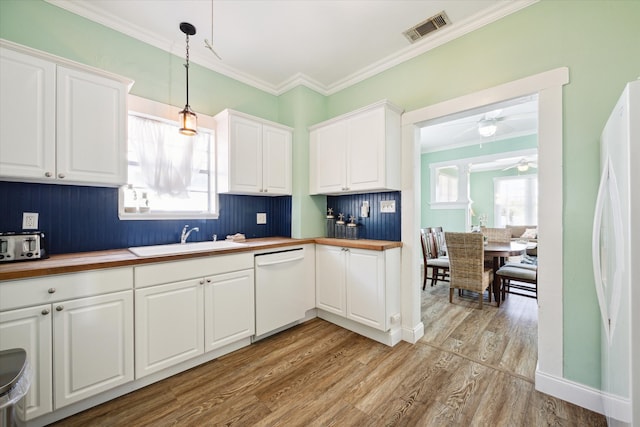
(514, 118)
(275, 45)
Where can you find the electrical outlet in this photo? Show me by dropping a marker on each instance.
(29, 221)
(261, 218)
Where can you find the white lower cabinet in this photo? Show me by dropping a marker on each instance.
(331, 293)
(229, 313)
(180, 320)
(30, 328)
(360, 285)
(78, 334)
(169, 325)
(93, 349)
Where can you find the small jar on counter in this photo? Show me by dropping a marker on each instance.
(331, 223)
(340, 233)
(352, 229)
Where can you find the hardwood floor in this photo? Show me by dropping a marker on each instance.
(472, 367)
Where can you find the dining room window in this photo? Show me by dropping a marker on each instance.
(447, 184)
(515, 200)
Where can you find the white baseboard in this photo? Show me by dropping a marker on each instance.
(389, 338)
(413, 335)
(578, 394)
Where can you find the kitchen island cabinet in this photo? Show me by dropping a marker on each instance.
(357, 152)
(63, 123)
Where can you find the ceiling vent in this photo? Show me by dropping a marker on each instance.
(427, 26)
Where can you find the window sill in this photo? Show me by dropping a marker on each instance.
(154, 216)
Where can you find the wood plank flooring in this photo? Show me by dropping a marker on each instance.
(472, 367)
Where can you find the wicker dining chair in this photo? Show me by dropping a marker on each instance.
(466, 264)
(439, 266)
(497, 235)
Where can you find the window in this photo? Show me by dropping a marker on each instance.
(447, 184)
(516, 200)
(170, 175)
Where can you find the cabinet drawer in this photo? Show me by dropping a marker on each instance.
(42, 290)
(167, 272)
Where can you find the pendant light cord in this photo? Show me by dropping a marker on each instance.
(186, 66)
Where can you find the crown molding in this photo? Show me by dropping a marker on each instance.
(458, 29)
(438, 38)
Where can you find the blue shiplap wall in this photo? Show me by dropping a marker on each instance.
(78, 219)
(378, 226)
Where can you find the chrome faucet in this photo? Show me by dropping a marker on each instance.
(185, 234)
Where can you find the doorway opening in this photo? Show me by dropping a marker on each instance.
(548, 87)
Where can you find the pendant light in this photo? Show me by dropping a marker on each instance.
(188, 119)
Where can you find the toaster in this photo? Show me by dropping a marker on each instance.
(22, 246)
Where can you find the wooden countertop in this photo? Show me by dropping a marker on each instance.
(374, 245)
(82, 261)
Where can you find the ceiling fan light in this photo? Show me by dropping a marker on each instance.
(487, 128)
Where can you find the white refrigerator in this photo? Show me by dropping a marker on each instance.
(616, 259)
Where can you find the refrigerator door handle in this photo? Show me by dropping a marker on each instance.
(608, 188)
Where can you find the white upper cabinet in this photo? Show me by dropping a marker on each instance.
(91, 128)
(28, 115)
(254, 155)
(62, 122)
(357, 152)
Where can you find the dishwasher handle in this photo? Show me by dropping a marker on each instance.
(280, 261)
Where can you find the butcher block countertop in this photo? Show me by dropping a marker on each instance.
(82, 261)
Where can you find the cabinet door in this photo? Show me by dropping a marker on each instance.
(28, 116)
(276, 161)
(169, 325)
(245, 139)
(327, 159)
(93, 349)
(330, 279)
(366, 288)
(30, 328)
(228, 308)
(366, 151)
(91, 128)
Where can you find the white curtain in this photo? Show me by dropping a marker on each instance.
(167, 159)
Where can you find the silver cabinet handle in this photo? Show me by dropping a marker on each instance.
(47, 174)
(202, 281)
(208, 280)
(60, 175)
(51, 290)
(45, 311)
(265, 190)
(60, 308)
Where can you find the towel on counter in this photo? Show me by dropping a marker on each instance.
(238, 237)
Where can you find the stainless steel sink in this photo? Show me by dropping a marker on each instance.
(177, 248)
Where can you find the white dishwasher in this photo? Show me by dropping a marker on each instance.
(281, 289)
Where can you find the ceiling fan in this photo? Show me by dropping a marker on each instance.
(522, 165)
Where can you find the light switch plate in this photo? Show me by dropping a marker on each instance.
(29, 221)
(261, 218)
(387, 206)
(364, 209)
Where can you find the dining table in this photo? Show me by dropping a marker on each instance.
(499, 252)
